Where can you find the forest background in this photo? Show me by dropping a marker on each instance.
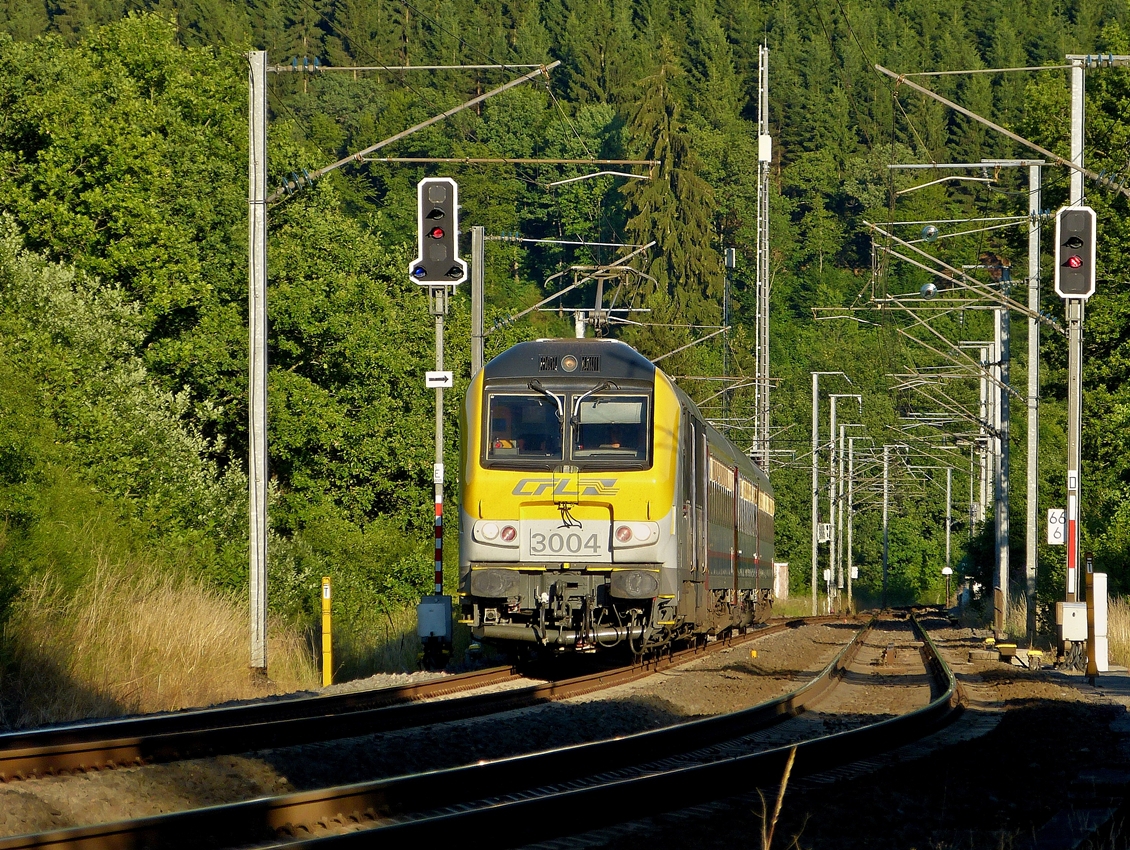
(123, 282)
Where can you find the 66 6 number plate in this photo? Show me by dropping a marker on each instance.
(549, 540)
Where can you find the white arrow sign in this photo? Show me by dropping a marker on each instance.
(439, 380)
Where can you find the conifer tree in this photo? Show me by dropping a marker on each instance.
(23, 19)
(674, 206)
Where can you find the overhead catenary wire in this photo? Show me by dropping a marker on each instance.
(987, 71)
(321, 69)
(483, 53)
(901, 79)
(360, 155)
(381, 66)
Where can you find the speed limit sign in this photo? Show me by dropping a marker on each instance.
(1057, 526)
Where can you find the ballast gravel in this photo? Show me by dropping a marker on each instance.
(735, 678)
(1035, 754)
(1013, 764)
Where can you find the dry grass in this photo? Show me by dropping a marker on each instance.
(796, 606)
(1016, 616)
(131, 641)
(1118, 630)
(386, 642)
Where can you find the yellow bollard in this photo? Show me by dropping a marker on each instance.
(327, 635)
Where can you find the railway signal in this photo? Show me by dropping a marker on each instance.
(1075, 252)
(438, 262)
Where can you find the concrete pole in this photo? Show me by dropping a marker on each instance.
(1078, 95)
(1074, 428)
(972, 510)
(1074, 349)
(949, 517)
(1035, 188)
(850, 517)
(815, 484)
(886, 502)
(257, 356)
(1001, 490)
(478, 258)
(832, 501)
(731, 262)
(840, 517)
(983, 453)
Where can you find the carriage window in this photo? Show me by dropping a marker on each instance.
(611, 428)
(523, 428)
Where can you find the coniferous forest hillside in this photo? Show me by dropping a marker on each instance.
(123, 260)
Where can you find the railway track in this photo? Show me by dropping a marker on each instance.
(85, 747)
(594, 783)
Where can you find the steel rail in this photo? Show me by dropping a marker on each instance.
(95, 744)
(516, 819)
(458, 787)
(236, 729)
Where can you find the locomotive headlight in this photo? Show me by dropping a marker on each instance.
(496, 533)
(636, 534)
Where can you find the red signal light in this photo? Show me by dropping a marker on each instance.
(1074, 261)
(436, 233)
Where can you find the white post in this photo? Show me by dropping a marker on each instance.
(257, 355)
(439, 296)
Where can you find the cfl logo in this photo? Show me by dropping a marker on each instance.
(588, 487)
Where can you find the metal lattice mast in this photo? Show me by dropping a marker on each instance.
(764, 160)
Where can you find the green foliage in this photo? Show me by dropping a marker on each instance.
(96, 458)
(123, 149)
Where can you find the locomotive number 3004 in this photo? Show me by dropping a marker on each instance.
(564, 542)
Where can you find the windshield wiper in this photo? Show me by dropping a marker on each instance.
(575, 418)
(558, 400)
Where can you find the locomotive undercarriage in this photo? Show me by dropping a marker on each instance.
(583, 611)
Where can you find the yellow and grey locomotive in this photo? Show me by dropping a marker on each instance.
(598, 507)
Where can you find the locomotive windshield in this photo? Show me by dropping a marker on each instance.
(611, 428)
(524, 427)
(591, 429)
